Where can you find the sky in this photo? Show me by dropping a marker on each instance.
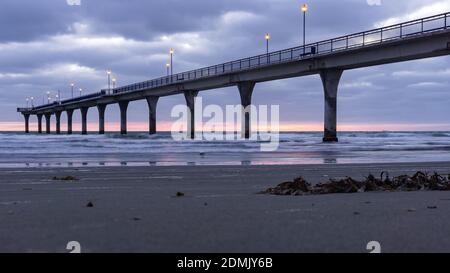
(47, 44)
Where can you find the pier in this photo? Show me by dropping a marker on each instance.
(423, 38)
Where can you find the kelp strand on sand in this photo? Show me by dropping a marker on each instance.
(65, 178)
(418, 182)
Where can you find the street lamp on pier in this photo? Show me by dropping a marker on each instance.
(108, 72)
(72, 85)
(171, 61)
(304, 10)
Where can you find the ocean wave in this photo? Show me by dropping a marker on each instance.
(163, 143)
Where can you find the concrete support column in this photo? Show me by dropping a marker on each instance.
(27, 123)
(101, 118)
(58, 122)
(330, 79)
(123, 116)
(69, 121)
(84, 112)
(39, 119)
(48, 118)
(190, 102)
(246, 90)
(152, 102)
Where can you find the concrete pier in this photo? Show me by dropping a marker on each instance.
(330, 79)
(39, 119)
(84, 112)
(58, 122)
(152, 103)
(69, 121)
(328, 58)
(246, 91)
(101, 118)
(123, 116)
(48, 118)
(190, 102)
(27, 123)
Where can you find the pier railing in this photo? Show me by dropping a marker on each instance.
(348, 42)
(55, 103)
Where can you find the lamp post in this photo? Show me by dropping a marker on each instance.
(304, 10)
(81, 90)
(32, 102)
(59, 96)
(72, 85)
(171, 61)
(168, 69)
(114, 82)
(267, 37)
(108, 72)
(27, 99)
(48, 97)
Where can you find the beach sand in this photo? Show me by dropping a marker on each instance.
(135, 209)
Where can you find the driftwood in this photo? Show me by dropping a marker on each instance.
(418, 182)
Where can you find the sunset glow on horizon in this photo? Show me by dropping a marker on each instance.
(284, 127)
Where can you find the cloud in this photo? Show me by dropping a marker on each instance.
(235, 18)
(356, 85)
(427, 9)
(426, 85)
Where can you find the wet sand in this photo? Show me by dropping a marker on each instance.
(136, 210)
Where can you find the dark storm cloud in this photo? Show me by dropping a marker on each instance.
(25, 20)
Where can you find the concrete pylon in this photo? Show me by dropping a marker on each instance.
(39, 119)
(69, 121)
(246, 91)
(123, 116)
(330, 80)
(152, 103)
(190, 96)
(101, 118)
(27, 123)
(58, 122)
(84, 112)
(48, 118)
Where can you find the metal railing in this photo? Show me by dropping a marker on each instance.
(55, 103)
(348, 42)
(24, 109)
(85, 97)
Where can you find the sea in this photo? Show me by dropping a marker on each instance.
(141, 149)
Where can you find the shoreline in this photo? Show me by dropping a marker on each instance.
(197, 159)
(135, 209)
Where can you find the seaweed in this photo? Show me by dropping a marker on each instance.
(65, 178)
(420, 181)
